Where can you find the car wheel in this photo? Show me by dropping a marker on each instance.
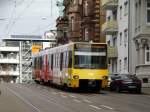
(118, 89)
(138, 91)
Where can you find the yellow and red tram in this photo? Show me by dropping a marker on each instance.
(75, 65)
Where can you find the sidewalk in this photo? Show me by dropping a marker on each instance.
(146, 91)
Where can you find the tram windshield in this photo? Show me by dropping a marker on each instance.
(90, 57)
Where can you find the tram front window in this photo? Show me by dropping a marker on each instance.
(90, 62)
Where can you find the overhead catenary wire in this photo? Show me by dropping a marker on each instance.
(11, 17)
(19, 16)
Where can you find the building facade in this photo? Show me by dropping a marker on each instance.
(81, 21)
(9, 63)
(116, 31)
(127, 29)
(140, 34)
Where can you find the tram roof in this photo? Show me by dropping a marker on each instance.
(29, 39)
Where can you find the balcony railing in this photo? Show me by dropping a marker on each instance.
(109, 4)
(112, 52)
(110, 27)
(9, 60)
(9, 73)
(12, 49)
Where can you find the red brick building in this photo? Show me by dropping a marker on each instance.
(81, 21)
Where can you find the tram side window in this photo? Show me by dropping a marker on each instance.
(56, 60)
(35, 63)
(40, 62)
(65, 59)
(70, 60)
(48, 62)
(61, 61)
(52, 61)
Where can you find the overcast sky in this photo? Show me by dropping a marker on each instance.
(27, 17)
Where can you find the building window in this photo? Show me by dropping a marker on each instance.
(125, 37)
(145, 80)
(114, 41)
(86, 8)
(120, 12)
(126, 8)
(147, 54)
(72, 23)
(120, 65)
(108, 18)
(125, 63)
(148, 11)
(108, 42)
(114, 14)
(86, 34)
(136, 15)
(120, 38)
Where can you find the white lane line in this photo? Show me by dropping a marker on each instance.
(61, 93)
(54, 93)
(107, 107)
(63, 96)
(24, 100)
(93, 106)
(87, 101)
(77, 100)
(72, 96)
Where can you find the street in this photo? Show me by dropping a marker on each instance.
(39, 98)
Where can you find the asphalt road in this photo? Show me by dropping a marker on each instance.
(38, 98)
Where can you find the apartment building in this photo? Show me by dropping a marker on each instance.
(80, 21)
(9, 63)
(140, 39)
(116, 30)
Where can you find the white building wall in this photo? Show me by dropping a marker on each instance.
(122, 19)
(122, 42)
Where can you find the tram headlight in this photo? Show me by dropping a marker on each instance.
(105, 77)
(75, 77)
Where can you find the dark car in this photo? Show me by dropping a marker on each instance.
(125, 82)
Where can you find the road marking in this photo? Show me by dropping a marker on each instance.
(93, 106)
(54, 93)
(77, 100)
(85, 100)
(107, 107)
(63, 96)
(61, 93)
(24, 100)
(72, 96)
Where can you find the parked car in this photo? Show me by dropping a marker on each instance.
(125, 82)
(110, 77)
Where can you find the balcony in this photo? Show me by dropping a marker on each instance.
(110, 27)
(9, 60)
(109, 4)
(12, 49)
(74, 8)
(112, 52)
(9, 73)
(143, 72)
